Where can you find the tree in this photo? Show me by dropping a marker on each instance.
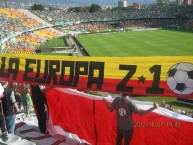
(173, 3)
(163, 2)
(95, 8)
(79, 9)
(37, 7)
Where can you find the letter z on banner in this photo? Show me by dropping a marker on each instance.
(159, 75)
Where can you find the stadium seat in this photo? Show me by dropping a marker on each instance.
(30, 133)
(20, 116)
(23, 142)
(12, 139)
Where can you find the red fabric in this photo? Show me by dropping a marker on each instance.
(18, 125)
(72, 114)
(91, 121)
(154, 129)
(26, 131)
(38, 138)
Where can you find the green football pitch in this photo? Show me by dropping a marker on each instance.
(139, 43)
(142, 43)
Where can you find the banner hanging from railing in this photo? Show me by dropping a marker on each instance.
(149, 76)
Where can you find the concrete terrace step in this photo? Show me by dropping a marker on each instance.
(12, 139)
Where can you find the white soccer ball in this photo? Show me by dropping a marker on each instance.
(180, 78)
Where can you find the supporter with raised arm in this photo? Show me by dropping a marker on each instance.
(124, 108)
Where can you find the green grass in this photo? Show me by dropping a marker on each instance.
(143, 43)
(170, 101)
(56, 42)
(50, 53)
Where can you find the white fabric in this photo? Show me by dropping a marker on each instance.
(1, 90)
(41, 87)
(23, 142)
(70, 140)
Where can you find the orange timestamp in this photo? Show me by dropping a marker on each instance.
(157, 124)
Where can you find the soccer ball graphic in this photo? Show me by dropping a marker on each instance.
(180, 78)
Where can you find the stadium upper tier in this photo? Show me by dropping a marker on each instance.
(54, 17)
(21, 31)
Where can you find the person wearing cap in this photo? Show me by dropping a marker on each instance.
(124, 108)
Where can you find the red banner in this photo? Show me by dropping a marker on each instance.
(148, 76)
(87, 116)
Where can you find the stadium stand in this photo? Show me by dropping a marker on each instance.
(150, 12)
(173, 16)
(16, 23)
(22, 31)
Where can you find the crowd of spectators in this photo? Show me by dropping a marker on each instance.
(152, 16)
(86, 27)
(170, 107)
(14, 28)
(28, 42)
(182, 11)
(14, 21)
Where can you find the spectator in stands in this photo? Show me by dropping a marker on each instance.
(10, 107)
(171, 108)
(27, 102)
(40, 105)
(163, 104)
(3, 128)
(21, 88)
(18, 99)
(183, 112)
(124, 108)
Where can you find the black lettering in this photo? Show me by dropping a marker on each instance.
(156, 69)
(122, 85)
(53, 68)
(13, 68)
(28, 70)
(2, 73)
(78, 72)
(96, 80)
(70, 65)
(37, 78)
